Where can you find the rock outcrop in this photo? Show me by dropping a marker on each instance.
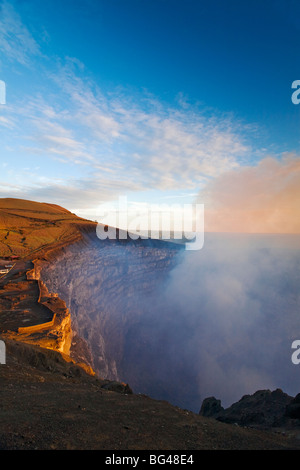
(263, 409)
(293, 408)
(115, 279)
(211, 407)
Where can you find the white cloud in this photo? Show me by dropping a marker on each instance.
(255, 199)
(6, 122)
(157, 146)
(138, 142)
(96, 116)
(16, 42)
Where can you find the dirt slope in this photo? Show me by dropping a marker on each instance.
(26, 227)
(48, 403)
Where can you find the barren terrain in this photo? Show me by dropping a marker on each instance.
(27, 227)
(50, 401)
(47, 403)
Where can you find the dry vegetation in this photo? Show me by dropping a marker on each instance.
(27, 226)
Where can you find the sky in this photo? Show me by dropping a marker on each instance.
(161, 101)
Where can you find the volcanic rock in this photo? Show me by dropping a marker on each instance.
(211, 407)
(263, 409)
(293, 408)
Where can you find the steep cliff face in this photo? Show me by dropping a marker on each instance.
(31, 314)
(181, 325)
(109, 286)
(33, 233)
(56, 332)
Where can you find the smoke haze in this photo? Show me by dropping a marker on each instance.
(225, 321)
(184, 325)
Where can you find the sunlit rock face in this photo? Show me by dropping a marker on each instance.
(110, 287)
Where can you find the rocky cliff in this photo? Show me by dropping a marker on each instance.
(34, 233)
(264, 409)
(106, 284)
(50, 398)
(59, 329)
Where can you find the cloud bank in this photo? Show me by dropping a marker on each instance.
(16, 41)
(257, 199)
(133, 143)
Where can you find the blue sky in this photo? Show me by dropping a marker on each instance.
(156, 100)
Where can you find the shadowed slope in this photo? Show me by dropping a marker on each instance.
(50, 403)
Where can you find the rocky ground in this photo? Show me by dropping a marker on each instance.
(264, 409)
(48, 403)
